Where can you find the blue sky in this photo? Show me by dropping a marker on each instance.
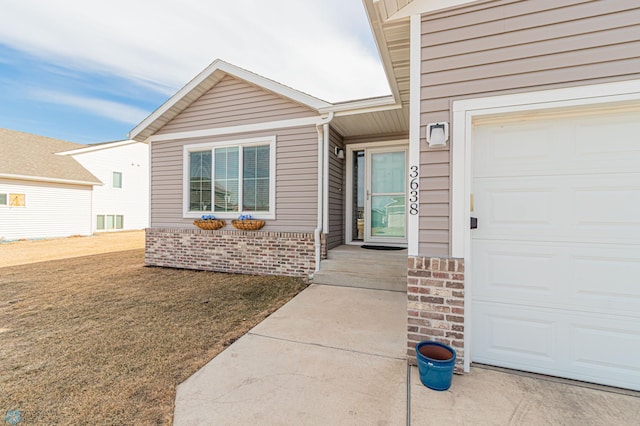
(88, 71)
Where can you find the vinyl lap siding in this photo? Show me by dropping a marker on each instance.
(507, 46)
(234, 102)
(336, 193)
(51, 210)
(296, 179)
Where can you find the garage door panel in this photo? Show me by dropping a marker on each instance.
(581, 208)
(608, 282)
(605, 348)
(604, 140)
(609, 206)
(512, 271)
(594, 143)
(564, 277)
(588, 347)
(503, 333)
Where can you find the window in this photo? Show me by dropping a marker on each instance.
(229, 179)
(119, 221)
(108, 222)
(3, 199)
(117, 179)
(17, 200)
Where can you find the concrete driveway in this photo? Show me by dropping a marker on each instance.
(336, 356)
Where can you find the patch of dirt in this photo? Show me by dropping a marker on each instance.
(103, 339)
(30, 251)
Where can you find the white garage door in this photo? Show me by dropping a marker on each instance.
(556, 256)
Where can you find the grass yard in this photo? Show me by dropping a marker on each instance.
(103, 339)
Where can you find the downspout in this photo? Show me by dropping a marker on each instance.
(323, 186)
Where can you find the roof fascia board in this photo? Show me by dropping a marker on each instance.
(255, 127)
(373, 15)
(49, 180)
(418, 7)
(227, 68)
(98, 147)
(363, 106)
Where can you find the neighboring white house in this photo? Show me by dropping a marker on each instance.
(122, 202)
(52, 188)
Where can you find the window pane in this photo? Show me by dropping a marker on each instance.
(226, 179)
(100, 221)
(200, 181)
(255, 180)
(110, 221)
(119, 221)
(3, 199)
(117, 180)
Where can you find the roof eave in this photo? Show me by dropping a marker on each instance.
(375, 21)
(99, 147)
(50, 179)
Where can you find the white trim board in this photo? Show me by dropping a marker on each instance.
(245, 128)
(464, 112)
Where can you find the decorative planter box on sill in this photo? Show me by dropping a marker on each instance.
(247, 224)
(209, 224)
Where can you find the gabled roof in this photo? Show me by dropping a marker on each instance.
(205, 81)
(32, 157)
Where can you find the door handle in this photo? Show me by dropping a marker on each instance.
(368, 194)
(474, 223)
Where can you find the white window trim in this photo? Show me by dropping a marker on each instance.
(269, 140)
(464, 112)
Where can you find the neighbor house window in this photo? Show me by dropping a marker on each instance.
(117, 179)
(17, 200)
(3, 199)
(108, 222)
(229, 179)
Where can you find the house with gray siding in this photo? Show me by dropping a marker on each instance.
(506, 160)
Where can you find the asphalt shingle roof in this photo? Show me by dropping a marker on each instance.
(35, 156)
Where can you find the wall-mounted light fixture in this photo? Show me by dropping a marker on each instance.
(437, 134)
(339, 152)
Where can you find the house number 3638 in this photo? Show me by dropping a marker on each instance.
(413, 190)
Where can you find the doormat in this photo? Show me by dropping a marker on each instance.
(381, 247)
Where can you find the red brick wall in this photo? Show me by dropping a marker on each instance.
(435, 306)
(243, 252)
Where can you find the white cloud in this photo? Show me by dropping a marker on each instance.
(314, 46)
(114, 110)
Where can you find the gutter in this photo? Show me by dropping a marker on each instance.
(322, 224)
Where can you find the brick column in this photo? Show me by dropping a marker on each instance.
(435, 305)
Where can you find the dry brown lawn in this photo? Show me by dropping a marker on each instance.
(103, 339)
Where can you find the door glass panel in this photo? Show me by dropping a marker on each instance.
(358, 196)
(388, 194)
(387, 172)
(388, 216)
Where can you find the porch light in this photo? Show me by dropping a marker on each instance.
(437, 134)
(339, 152)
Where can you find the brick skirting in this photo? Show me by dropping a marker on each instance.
(435, 305)
(244, 252)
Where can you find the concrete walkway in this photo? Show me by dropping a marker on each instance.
(336, 356)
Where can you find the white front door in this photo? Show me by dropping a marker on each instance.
(376, 202)
(556, 255)
(385, 195)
